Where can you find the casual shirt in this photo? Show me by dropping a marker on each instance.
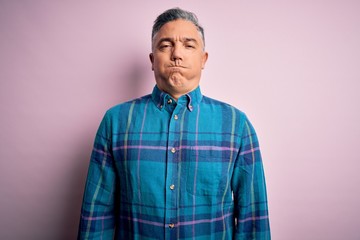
(167, 169)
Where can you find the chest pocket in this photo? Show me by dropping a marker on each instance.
(207, 174)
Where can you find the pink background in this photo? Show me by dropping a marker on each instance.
(292, 66)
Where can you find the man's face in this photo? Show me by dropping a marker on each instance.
(178, 57)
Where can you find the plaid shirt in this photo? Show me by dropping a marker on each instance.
(166, 169)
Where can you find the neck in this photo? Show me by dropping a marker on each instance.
(175, 95)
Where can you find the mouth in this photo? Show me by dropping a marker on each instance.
(176, 66)
(175, 69)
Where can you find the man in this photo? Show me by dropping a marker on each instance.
(175, 164)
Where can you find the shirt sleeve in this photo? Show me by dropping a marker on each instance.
(97, 212)
(248, 183)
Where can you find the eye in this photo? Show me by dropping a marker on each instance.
(164, 46)
(189, 46)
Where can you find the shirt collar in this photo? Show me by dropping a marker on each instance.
(191, 99)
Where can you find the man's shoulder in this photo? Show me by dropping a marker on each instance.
(214, 102)
(121, 107)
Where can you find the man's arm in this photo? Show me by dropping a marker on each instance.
(97, 212)
(251, 210)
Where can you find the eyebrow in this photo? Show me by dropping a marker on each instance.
(189, 40)
(185, 39)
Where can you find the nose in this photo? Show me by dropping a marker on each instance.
(177, 53)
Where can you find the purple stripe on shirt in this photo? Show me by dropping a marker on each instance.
(249, 151)
(101, 151)
(179, 223)
(205, 148)
(140, 147)
(252, 219)
(96, 218)
(205, 220)
(142, 221)
(185, 132)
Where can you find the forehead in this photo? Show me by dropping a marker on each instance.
(178, 29)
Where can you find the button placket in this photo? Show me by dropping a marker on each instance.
(172, 198)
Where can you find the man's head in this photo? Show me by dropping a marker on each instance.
(178, 52)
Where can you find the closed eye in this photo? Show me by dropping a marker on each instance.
(164, 46)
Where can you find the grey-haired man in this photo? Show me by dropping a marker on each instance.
(175, 164)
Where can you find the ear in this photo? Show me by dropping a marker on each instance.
(151, 56)
(204, 59)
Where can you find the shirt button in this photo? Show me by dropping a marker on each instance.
(173, 150)
(172, 186)
(190, 107)
(171, 225)
(169, 101)
(176, 117)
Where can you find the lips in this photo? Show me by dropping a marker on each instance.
(175, 69)
(176, 66)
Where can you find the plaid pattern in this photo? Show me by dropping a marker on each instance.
(162, 169)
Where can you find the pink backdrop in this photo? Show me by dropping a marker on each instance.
(294, 68)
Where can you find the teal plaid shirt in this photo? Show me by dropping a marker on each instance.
(166, 169)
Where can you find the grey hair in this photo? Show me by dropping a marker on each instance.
(174, 14)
